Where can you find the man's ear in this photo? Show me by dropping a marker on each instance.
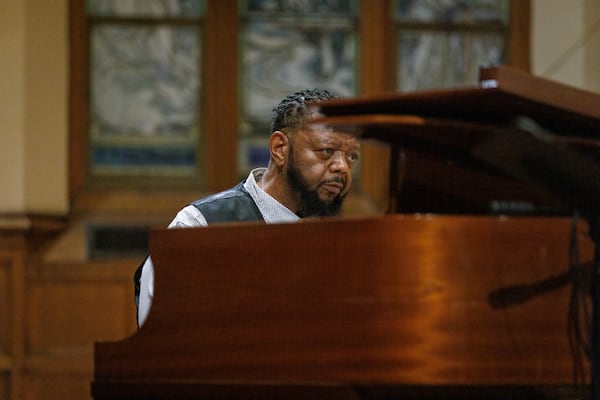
(279, 146)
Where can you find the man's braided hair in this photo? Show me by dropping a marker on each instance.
(292, 112)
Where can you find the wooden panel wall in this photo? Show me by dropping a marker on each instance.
(68, 308)
(52, 313)
(12, 255)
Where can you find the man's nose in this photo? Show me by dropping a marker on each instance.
(339, 162)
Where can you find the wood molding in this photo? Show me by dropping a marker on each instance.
(78, 99)
(220, 94)
(376, 43)
(519, 36)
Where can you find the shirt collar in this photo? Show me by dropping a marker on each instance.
(272, 210)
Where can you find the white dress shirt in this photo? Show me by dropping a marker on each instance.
(188, 217)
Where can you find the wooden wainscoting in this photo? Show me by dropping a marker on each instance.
(68, 308)
(11, 319)
(51, 313)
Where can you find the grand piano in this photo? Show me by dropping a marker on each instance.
(476, 284)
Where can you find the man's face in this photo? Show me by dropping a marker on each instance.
(320, 169)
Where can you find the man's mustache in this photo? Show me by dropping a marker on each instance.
(337, 179)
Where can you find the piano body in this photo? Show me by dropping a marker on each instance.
(468, 302)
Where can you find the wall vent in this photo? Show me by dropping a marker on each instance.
(113, 241)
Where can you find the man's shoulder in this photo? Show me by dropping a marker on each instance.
(230, 205)
(235, 192)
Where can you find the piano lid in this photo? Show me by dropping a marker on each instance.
(516, 139)
(503, 95)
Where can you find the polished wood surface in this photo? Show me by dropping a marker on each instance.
(504, 94)
(399, 300)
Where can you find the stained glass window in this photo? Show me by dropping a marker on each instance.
(287, 46)
(442, 43)
(146, 8)
(144, 87)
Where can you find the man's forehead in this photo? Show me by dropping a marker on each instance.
(331, 125)
(331, 134)
(333, 130)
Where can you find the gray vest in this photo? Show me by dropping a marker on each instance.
(231, 205)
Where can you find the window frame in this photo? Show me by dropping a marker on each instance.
(219, 94)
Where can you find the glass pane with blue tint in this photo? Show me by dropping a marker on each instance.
(146, 8)
(288, 46)
(452, 11)
(144, 100)
(429, 59)
(300, 9)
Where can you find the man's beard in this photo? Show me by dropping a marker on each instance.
(311, 203)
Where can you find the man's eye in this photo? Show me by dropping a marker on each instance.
(327, 152)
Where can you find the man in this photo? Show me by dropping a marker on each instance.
(309, 174)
